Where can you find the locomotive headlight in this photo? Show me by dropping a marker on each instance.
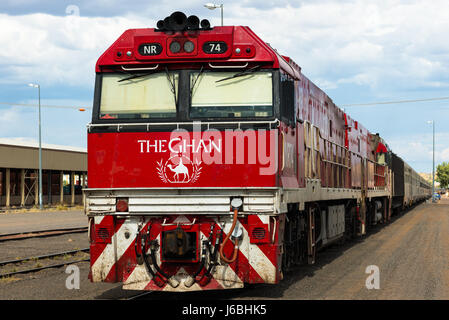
(236, 203)
(175, 47)
(189, 46)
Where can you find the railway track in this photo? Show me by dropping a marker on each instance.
(41, 233)
(36, 258)
(139, 295)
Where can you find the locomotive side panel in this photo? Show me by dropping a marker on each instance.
(354, 146)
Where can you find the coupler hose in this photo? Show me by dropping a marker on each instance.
(145, 260)
(171, 280)
(205, 279)
(160, 278)
(236, 249)
(192, 279)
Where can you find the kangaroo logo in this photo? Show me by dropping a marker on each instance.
(178, 169)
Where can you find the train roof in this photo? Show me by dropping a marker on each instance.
(237, 46)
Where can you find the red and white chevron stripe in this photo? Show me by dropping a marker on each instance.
(113, 256)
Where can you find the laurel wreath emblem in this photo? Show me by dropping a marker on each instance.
(160, 171)
(197, 171)
(195, 176)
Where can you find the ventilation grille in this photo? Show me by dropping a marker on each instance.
(259, 233)
(103, 235)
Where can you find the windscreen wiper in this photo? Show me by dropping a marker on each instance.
(134, 76)
(172, 84)
(194, 82)
(240, 74)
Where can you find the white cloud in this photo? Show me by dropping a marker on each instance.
(384, 50)
(57, 50)
(386, 45)
(8, 116)
(377, 45)
(418, 149)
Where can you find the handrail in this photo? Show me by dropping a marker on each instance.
(336, 163)
(227, 67)
(177, 124)
(140, 69)
(283, 154)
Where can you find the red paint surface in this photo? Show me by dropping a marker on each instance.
(116, 160)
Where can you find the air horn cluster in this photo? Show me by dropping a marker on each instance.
(178, 21)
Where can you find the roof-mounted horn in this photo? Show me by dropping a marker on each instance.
(178, 21)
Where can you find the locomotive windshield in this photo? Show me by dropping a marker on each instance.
(214, 94)
(146, 96)
(222, 95)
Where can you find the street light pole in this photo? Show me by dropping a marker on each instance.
(433, 159)
(212, 6)
(40, 144)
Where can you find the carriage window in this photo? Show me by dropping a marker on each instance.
(125, 96)
(217, 95)
(381, 158)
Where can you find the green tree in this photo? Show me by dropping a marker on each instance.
(442, 174)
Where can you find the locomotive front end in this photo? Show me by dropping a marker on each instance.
(185, 151)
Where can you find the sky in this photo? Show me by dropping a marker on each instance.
(356, 51)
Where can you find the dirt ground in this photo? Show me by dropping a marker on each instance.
(411, 255)
(25, 221)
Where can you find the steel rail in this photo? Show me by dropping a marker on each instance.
(41, 233)
(2, 263)
(5, 275)
(139, 295)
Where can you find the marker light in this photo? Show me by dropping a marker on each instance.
(175, 47)
(121, 205)
(189, 46)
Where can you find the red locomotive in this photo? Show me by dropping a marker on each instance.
(214, 162)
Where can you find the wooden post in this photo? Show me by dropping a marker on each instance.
(72, 187)
(22, 187)
(83, 184)
(49, 187)
(61, 187)
(8, 187)
(36, 187)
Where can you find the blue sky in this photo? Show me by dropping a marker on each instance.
(357, 51)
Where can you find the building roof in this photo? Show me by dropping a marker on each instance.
(28, 143)
(21, 153)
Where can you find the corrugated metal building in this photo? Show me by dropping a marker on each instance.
(64, 173)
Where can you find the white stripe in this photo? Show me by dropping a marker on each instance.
(258, 260)
(115, 250)
(138, 279)
(98, 219)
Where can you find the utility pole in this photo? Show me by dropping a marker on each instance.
(40, 144)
